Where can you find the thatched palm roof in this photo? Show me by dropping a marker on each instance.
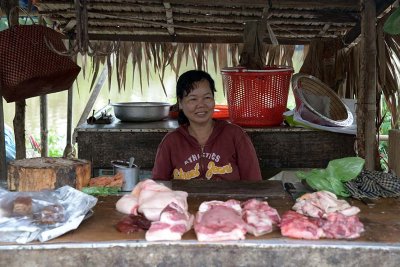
(207, 21)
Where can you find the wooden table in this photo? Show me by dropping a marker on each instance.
(97, 243)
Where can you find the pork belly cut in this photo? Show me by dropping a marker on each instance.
(152, 203)
(127, 204)
(340, 226)
(336, 225)
(259, 217)
(322, 203)
(296, 225)
(150, 198)
(219, 221)
(174, 222)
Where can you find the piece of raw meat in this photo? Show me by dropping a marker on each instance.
(322, 203)
(336, 225)
(259, 217)
(174, 222)
(150, 198)
(340, 226)
(152, 203)
(220, 221)
(133, 223)
(296, 225)
(127, 204)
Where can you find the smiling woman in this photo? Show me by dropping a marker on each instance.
(208, 148)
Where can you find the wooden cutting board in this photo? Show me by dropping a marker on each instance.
(236, 189)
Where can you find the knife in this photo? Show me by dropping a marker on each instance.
(292, 191)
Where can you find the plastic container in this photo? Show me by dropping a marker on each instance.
(257, 98)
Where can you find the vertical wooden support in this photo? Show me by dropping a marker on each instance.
(3, 164)
(68, 148)
(19, 118)
(394, 151)
(44, 132)
(366, 110)
(92, 99)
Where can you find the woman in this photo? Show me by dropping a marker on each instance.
(202, 147)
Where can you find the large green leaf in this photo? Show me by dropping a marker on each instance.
(392, 24)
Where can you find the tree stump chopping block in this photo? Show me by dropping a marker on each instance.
(36, 174)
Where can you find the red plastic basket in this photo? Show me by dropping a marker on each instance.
(257, 98)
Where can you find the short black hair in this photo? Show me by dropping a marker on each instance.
(185, 85)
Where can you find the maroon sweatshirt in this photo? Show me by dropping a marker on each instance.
(228, 155)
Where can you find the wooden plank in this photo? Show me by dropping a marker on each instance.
(237, 189)
(394, 152)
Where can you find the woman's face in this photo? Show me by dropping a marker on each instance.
(198, 105)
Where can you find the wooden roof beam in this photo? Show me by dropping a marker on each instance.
(354, 33)
(188, 38)
(170, 20)
(310, 4)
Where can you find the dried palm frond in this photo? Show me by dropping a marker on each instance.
(147, 60)
(222, 56)
(137, 61)
(214, 50)
(286, 58)
(124, 52)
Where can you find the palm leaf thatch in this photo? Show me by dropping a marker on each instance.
(162, 56)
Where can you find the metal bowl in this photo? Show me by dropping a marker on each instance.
(141, 111)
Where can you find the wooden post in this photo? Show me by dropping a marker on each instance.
(19, 118)
(68, 148)
(394, 151)
(92, 99)
(366, 109)
(43, 126)
(3, 164)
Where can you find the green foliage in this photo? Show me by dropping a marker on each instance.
(56, 144)
(383, 147)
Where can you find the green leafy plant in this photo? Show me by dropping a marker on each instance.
(55, 145)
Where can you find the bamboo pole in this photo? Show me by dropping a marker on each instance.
(44, 132)
(92, 98)
(394, 152)
(366, 110)
(3, 164)
(68, 147)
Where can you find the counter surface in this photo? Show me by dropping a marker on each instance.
(97, 243)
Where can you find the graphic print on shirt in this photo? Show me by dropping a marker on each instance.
(212, 168)
(180, 174)
(195, 157)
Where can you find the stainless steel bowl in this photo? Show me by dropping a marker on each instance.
(141, 111)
